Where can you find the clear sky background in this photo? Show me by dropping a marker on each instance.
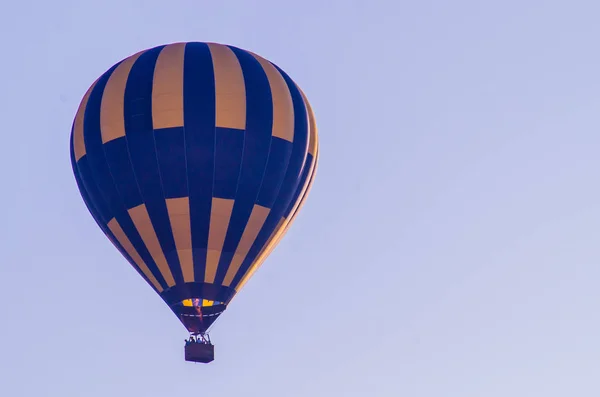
(450, 245)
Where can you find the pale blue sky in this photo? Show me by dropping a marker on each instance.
(450, 245)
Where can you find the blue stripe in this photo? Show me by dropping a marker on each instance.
(290, 183)
(117, 157)
(137, 114)
(94, 200)
(84, 193)
(199, 121)
(170, 150)
(259, 125)
(97, 171)
(303, 182)
(99, 198)
(279, 158)
(103, 226)
(228, 161)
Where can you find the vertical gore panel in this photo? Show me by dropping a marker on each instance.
(283, 107)
(121, 169)
(83, 191)
(95, 198)
(219, 222)
(77, 134)
(93, 166)
(229, 87)
(199, 132)
(312, 123)
(300, 187)
(279, 159)
(255, 223)
(259, 125)
(229, 147)
(179, 214)
(112, 107)
(140, 217)
(283, 134)
(167, 90)
(290, 183)
(142, 148)
(112, 127)
(171, 156)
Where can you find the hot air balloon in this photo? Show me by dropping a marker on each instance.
(194, 159)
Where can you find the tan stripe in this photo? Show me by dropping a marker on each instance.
(312, 124)
(219, 222)
(230, 89)
(167, 87)
(303, 196)
(143, 224)
(78, 140)
(255, 223)
(179, 215)
(264, 253)
(281, 229)
(112, 120)
(283, 107)
(121, 237)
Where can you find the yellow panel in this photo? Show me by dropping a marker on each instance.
(207, 302)
(283, 107)
(219, 222)
(167, 87)
(255, 223)
(112, 122)
(187, 303)
(312, 124)
(121, 237)
(179, 215)
(78, 141)
(230, 89)
(141, 219)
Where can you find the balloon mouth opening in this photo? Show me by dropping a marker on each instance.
(197, 315)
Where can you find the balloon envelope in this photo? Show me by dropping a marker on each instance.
(194, 158)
